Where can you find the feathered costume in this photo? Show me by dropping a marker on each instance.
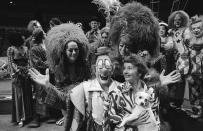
(138, 29)
(138, 26)
(108, 7)
(58, 37)
(75, 101)
(56, 44)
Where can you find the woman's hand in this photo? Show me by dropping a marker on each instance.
(172, 77)
(141, 120)
(39, 78)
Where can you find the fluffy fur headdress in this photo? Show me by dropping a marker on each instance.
(58, 37)
(184, 16)
(139, 27)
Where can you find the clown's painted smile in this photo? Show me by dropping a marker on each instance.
(104, 69)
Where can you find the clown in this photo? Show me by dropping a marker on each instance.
(86, 100)
(196, 75)
(178, 23)
(196, 28)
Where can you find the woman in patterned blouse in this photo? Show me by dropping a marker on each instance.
(122, 99)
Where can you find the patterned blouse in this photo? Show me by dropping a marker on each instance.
(122, 102)
(17, 58)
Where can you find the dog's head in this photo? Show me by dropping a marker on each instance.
(142, 99)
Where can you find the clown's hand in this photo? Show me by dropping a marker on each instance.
(39, 78)
(172, 77)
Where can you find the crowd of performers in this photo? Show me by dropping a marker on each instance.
(92, 78)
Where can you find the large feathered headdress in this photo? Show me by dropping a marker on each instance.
(109, 7)
(139, 27)
(58, 37)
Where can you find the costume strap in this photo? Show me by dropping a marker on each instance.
(90, 102)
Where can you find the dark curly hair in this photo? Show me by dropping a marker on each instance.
(56, 43)
(55, 21)
(15, 39)
(137, 62)
(184, 19)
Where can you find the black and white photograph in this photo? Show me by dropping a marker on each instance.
(101, 65)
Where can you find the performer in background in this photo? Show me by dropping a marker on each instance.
(195, 78)
(178, 23)
(21, 87)
(38, 61)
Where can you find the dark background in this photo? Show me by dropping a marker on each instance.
(20, 12)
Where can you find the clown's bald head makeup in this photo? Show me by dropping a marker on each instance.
(196, 28)
(104, 69)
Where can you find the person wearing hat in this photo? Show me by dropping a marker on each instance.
(87, 102)
(94, 33)
(93, 36)
(163, 32)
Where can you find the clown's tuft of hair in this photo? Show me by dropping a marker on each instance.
(139, 27)
(58, 37)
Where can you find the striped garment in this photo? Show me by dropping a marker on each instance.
(122, 103)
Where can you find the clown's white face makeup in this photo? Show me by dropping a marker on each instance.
(197, 28)
(72, 51)
(104, 70)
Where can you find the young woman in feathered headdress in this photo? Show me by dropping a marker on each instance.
(67, 51)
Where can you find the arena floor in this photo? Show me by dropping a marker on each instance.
(5, 125)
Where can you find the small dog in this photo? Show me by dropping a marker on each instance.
(142, 100)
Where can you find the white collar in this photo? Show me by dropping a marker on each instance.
(95, 86)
